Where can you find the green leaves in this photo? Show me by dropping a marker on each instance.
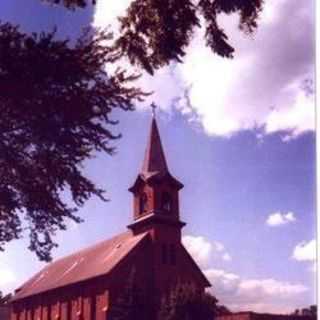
(154, 33)
(50, 92)
(186, 302)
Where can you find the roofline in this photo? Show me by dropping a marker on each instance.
(13, 299)
(150, 178)
(154, 218)
(208, 284)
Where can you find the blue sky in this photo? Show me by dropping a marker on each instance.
(240, 136)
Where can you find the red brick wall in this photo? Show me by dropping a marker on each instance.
(5, 313)
(91, 300)
(70, 303)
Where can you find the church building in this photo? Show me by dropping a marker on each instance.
(87, 284)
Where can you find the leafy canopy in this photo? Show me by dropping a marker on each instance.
(55, 106)
(185, 302)
(154, 33)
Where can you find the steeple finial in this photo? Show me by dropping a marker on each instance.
(154, 107)
(154, 159)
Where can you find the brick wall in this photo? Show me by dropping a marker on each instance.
(4, 313)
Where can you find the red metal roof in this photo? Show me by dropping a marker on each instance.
(85, 264)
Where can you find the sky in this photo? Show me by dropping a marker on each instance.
(239, 134)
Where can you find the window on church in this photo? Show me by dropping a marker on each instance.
(173, 254)
(166, 202)
(143, 203)
(164, 254)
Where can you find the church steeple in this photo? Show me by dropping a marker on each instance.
(155, 191)
(154, 158)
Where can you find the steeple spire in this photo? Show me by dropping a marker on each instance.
(154, 158)
(155, 190)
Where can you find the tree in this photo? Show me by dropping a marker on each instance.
(154, 33)
(55, 106)
(310, 311)
(313, 310)
(129, 305)
(4, 299)
(186, 303)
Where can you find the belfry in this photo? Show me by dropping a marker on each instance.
(88, 284)
(155, 192)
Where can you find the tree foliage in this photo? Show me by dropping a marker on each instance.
(129, 305)
(154, 33)
(187, 303)
(311, 311)
(72, 4)
(5, 299)
(55, 106)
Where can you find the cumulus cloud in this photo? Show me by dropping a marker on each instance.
(241, 293)
(226, 257)
(278, 218)
(305, 251)
(6, 277)
(263, 86)
(203, 250)
(107, 12)
(259, 295)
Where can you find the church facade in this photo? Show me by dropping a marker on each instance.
(87, 284)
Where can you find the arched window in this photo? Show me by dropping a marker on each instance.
(166, 202)
(143, 203)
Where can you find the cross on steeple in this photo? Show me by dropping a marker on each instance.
(153, 106)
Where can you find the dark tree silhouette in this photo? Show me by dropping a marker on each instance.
(311, 311)
(185, 302)
(154, 33)
(55, 106)
(130, 303)
(5, 299)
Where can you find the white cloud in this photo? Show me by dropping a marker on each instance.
(271, 287)
(6, 277)
(278, 218)
(226, 257)
(203, 250)
(261, 87)
(300, 116)
(199, 248)
(106, 13)
(261, 295)
(223, 283)
(305, 251)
